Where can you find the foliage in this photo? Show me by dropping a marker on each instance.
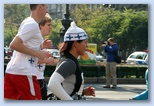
(54, 36)
(13, 18)
(129, 28)
(13, 15)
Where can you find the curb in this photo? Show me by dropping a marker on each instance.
(119, 80)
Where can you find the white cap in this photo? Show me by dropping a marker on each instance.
(75, 33)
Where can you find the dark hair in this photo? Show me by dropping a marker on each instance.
(65, 47)
(33, 6)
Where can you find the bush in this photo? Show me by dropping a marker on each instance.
(123, 71)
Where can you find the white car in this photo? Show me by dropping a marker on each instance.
(54, 53)
(99, 57)
(137, 58)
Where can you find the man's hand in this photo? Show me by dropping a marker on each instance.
(43, 54)
(46, 44)
(51, 61)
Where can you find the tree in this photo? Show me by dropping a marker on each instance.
(13, 17)
(133, 31)
(14, 14)
(55, 32)
(129, 28)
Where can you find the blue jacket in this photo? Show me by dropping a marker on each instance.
(111, 52)
(144, 94)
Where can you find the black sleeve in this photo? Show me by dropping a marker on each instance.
(66, 68)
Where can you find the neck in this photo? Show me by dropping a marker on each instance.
(75, 54)
(43, 35)
(35, 17)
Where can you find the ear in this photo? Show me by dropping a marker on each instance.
(41, 26)
(75, 44)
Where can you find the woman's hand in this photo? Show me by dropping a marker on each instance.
(89, 91)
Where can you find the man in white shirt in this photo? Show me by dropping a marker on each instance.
(20, 80)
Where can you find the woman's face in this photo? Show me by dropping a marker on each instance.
(81, 47)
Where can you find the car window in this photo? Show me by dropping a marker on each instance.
(140, 56)
(145, 56)
(54, 53)
(133, 56)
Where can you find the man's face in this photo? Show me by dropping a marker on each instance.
(111, 43)
(43, 9)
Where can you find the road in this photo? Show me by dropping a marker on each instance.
(122, 92)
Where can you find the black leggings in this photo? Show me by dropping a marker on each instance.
(43, 87)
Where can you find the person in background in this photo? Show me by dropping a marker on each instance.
(20, 82)
(111, 49)
(45, 27)
(67, 82)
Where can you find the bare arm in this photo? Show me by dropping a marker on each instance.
(17, 44)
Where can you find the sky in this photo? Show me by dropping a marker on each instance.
(77, 103)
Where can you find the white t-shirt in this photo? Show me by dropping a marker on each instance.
(40, 70)
(20, 63)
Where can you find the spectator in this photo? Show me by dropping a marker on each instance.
(111, 49)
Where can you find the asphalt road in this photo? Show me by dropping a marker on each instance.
(122, 92)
